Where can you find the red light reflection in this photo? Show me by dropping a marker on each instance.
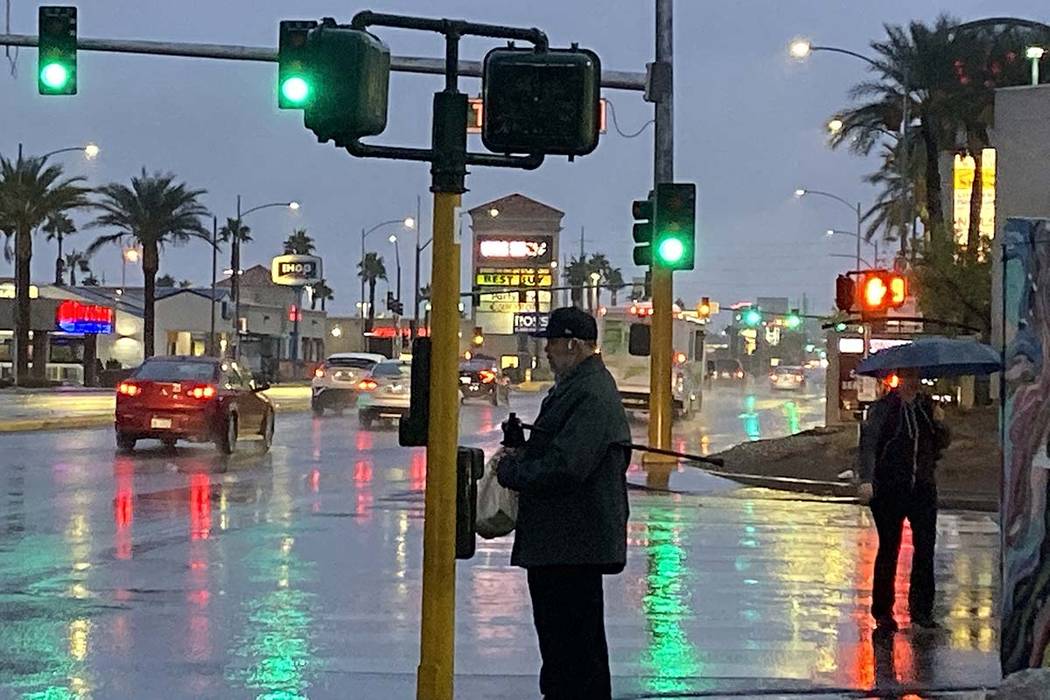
(123, 506)
(200, 506)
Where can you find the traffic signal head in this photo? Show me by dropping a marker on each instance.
(845, 293)
(642, 210)
(57, 50)
(881, 290)
(793, 320)
(479, 336)
(294, 82)
(752, 317)
(674, 233)
(703, 309)
(348, 84)
(541, 101)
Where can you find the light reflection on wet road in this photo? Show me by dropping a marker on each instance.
(297, 574)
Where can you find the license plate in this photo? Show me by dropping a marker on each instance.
(161, 423)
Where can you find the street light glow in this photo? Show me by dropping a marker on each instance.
(493, 212)
(835, 125)
(393, 238)
(409, 222)
(800, 193)
(830, 233)
(1035, 52)
(294, 206)
(800, 48)
(131, 255)
(91, 151)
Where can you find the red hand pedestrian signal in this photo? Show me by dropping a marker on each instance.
(881, 290)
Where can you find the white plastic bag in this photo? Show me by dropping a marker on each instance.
(497, 507)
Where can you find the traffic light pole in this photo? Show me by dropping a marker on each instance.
(660, 406)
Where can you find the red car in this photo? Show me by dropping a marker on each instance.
(201, 399)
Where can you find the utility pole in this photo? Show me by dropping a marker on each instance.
(235, 283)
(419, 250)
(214, 261)
(660, 408)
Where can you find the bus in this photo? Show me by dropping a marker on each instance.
(631, 369)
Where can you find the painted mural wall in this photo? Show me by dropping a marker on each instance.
(1025, 614)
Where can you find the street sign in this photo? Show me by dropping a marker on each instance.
(295, 270)
(530, 322)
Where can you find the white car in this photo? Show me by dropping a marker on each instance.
(788, 378)
(334, 384)
(385, 392)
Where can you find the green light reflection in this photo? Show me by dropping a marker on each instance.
(670, 659)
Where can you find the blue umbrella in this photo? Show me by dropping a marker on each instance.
(934, 356)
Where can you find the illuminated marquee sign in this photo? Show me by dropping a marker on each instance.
(514, 278)
(295, 270)
(530, 323)
(89, 319)
(513, 249)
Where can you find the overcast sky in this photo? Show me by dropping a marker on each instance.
(749, 130)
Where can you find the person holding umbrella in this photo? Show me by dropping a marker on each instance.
(900, 443)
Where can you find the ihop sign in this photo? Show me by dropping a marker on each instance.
(295, 270)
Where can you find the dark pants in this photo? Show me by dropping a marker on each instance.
(568, 609)
(920, 508)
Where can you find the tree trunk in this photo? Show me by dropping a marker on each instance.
(576, 295)
(23, 259)
(41, 345)
(72, 275)
(614, 296)
(370, 321)
(91, 360)
(58, 262)
(934, 208)
(976, 193)
(150, 265)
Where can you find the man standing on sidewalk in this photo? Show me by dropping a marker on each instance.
(900, 443)
(571, 478)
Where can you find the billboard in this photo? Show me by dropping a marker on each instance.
(295, 270)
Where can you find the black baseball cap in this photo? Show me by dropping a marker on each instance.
(570, 322)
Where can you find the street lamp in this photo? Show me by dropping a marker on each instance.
(397, 259)
(235, 279)
(800, 48)
(802, 192)
(835, 125)
(875, 244)
(1035, 54)
(408, 222)
(129, 255)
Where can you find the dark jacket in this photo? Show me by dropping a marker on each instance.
(571, 479)
(900, 446)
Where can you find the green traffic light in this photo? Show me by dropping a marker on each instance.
(295, 89)
(752, 317)
(54, 76)
(670, 251)
(793, 321)
(840, 327)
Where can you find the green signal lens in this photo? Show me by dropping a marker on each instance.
(793, 322)
(295, 89)
(752, 318)
(670, 250)
(54, 76)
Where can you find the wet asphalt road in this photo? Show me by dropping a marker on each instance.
(178, 574)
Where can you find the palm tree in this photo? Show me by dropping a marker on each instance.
(371, 270)
(153, 212)
(186, 284)
(321, 292)
(57, 228)
(299, 243)
(614, 281)
(577, 275)
(237, 234)
(31, 191)
(76, 260)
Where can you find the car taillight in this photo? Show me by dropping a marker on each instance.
(739, 375)
(366, 385)
(487, 377)
(129, 389)
(319, 372)
(206, 391)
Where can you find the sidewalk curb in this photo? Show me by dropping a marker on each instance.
(27, 425)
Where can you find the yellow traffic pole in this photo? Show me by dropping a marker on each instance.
(436, 658)
(660, 351)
